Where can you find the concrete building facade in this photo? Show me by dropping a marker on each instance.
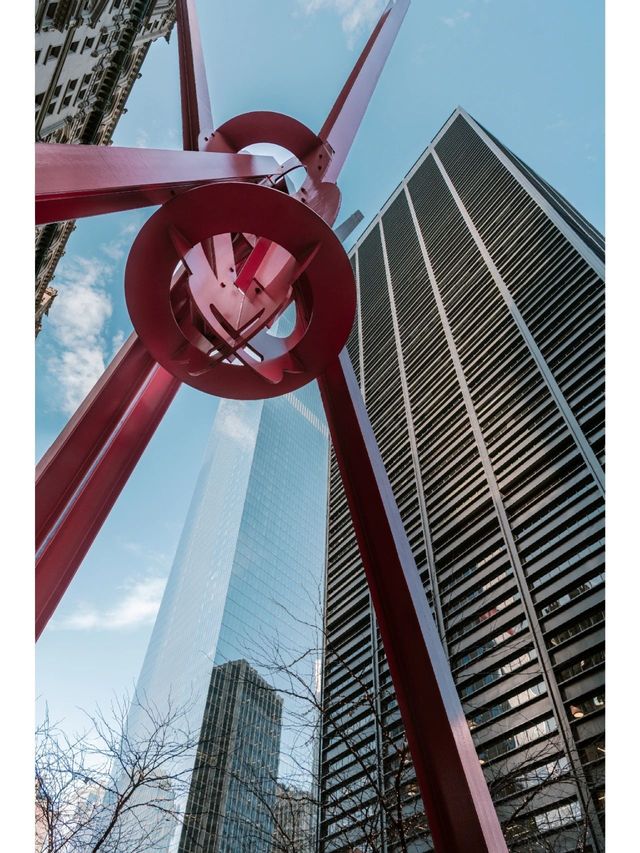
(88, 55)
(479, 349)
(233, 788)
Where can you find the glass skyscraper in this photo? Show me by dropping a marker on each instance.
(247, 578)
(232, 798)
(479, 350)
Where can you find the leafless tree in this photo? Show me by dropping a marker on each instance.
(96, 791)
(535, 789)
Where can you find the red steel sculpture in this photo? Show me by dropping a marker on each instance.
(212, 269)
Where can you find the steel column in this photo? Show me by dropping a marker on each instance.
(73, 181)
(65, 464)
(343, 121)
(71, 511)
(459, 809)
(62, 553)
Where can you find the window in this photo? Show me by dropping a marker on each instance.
(71, 85)
(506, 705)
(577, 627)
(39, 99)
(74, 46)
(494, 675)
(593, 751)
(555, 818)
(517, 740)
(54, 52)
(88, 44)
(57, 91)
(581, 665)
(587, 706)
(66, 101)
(38, 52)
(103, 38)
(582, 588)
(52, 8)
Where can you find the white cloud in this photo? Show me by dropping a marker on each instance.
(231, 422)
(114, 249)
(79, 319)
(459, 17)
(138, 606)
(81, 311)
(142, 138)
(355, 15)
(116, 342)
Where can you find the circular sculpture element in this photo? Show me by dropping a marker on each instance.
(213, 269)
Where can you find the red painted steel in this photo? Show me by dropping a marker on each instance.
(249, 251)
(70, 520)
(65, 464)
(343, 121)
(228, 317)
(73, 181)
(197, 117)
(64, 550)
(454, 792)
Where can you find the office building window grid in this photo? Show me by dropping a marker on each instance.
(479, 351)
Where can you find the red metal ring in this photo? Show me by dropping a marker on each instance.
(326, 290)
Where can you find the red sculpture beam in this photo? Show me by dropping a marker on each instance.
(197, 117)
(73, 181)
(64, 550)
(71, 510)
(461, 815)
(64, 466)
(343, 121)
(215, 316)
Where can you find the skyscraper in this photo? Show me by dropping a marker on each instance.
(88, 55)
(479, 352)
(247, 577)
(233, 790)
(294, 819)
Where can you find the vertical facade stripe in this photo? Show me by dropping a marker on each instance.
(561, 224)
(359, 330)
(373, 624)
(414, 448)
(514, 556)
(570, 419)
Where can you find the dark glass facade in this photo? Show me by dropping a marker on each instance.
(233, 789)
(479, 349)
(246, 584)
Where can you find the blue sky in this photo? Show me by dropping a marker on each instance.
(530, 71)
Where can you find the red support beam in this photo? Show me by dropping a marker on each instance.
(65, 548)
(197, 117)
(67, 461)
(73, 181)
(460, 812)
(82, 474)
(343, 121)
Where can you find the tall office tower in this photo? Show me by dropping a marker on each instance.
(479, 352)
(247, 577)
(294, 819)
(88, 56)
(233, 790)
